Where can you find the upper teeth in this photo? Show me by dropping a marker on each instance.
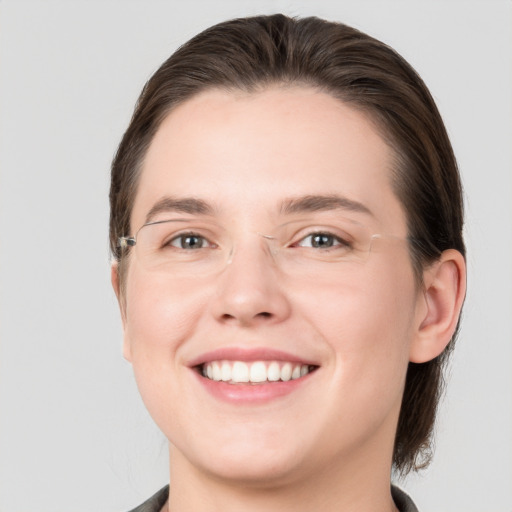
(258, 371)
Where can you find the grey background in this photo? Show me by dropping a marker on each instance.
(73, 432)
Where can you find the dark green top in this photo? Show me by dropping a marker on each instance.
(156, 502)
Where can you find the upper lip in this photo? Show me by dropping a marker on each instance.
(248, 355)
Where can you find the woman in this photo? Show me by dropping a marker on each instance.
(286, 222)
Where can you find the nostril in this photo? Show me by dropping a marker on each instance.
(263, 314)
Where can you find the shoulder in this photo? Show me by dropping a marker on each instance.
(402, 500)
(155, 503)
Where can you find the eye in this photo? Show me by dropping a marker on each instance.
(322, 241)
(189, 241)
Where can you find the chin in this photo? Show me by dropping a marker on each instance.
(255, 460)
(258, 471)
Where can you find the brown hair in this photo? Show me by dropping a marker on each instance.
(253, 53)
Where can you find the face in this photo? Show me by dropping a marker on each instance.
(261, 181)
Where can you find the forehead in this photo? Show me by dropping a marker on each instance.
(248, 152)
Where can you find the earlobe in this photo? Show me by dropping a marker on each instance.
(114, 278)
(440, 306)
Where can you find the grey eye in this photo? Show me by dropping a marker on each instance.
(321, 241)
(189, 241)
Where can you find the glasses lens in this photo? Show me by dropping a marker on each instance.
(186, 249)
(178, 247)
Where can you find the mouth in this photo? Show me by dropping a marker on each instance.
(256, 376)
(254, 372)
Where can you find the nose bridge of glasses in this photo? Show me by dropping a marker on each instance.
(259, 243)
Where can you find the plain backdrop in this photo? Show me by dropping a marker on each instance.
(74, 435)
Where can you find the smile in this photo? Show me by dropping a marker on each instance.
(257, 372)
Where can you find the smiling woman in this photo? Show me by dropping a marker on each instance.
(286, 222)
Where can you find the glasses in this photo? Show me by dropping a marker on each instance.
(190, 248)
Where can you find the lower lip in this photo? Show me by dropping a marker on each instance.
(251, 393)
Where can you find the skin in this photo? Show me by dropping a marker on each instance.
(328, 444)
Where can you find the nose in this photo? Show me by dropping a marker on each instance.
(249, 291)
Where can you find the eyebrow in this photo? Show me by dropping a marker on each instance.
(315, 203)
(190, 205)
(308, 203)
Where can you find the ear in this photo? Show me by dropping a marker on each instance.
(114, 278)
(439, 308)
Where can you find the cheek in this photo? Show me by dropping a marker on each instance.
(368, 323)
(159, 315)
(160, 318)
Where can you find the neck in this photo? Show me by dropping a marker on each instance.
(350, 487)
